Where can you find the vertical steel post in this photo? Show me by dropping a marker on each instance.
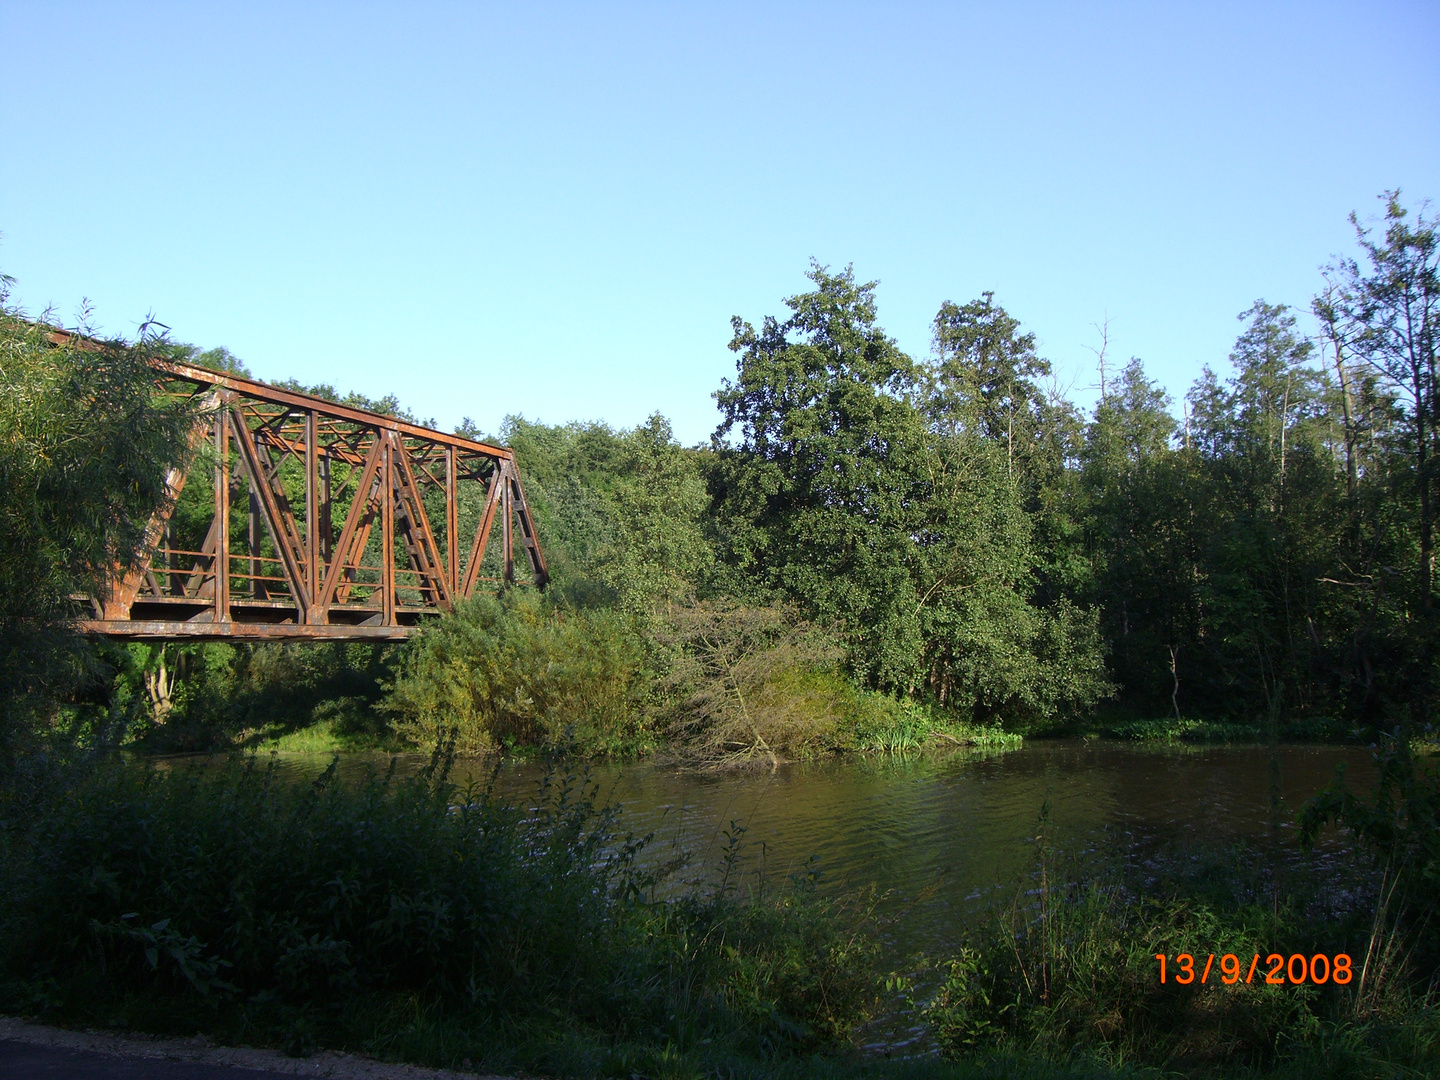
(327, 531)
(222, 512)
(507, 546)
(169, 557)
(387, 531)
(312, 518)
(252, 540)
(452, 524)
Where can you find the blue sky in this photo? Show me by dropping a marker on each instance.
(554, 210)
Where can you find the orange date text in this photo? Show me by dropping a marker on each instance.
(1276, 969)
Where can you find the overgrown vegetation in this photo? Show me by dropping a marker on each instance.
(226, 898)
(84, 457)
(519, 672)
(416, 920)
(1072, 973)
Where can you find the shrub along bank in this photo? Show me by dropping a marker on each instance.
(711, 682)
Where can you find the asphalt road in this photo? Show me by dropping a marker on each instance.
(26, 1061)
(38, 1052)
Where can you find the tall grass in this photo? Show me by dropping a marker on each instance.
(227, 898)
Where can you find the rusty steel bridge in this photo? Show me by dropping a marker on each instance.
(320, 521)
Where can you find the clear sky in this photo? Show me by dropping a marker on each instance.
(554, 210)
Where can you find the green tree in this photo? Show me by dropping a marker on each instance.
(622, 512)
(1387, 311)
(1381, 311)
(887, 500)
(1139, 525)
(1268, 498)
(85, 445)
(986, 381)
(819, 496)
(983, 380)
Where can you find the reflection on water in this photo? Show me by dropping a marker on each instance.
(939, 835)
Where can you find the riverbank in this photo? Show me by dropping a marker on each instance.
(917, 733)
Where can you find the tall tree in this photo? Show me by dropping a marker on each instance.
(986, 381)
(983, 378)
(1139, 520)
(889, 500)
(1387, 310)
(818, 495)
(1270, 532)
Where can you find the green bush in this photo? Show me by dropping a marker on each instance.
(213, 695)
(517, 672)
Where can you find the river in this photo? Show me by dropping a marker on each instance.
(941, 836)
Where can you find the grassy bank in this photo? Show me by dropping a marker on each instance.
(1316, 729)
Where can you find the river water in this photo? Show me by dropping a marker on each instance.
(941, 837)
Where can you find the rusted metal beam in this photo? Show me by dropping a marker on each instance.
(538, 570)
(121, 594)
(387, 528)
(281, 531)
(425, 553)
(482, 533)
(452, 524)
(222, 514)
(359, 508)
(312, 509)
(254, 526)
(293, 399)
(169, 630)
(507, 546)
(196, 583)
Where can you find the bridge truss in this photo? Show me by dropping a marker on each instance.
(320, 522)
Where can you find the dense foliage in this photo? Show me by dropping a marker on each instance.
(304, 910)
(890, 500)
(873, 553)
(84, 454)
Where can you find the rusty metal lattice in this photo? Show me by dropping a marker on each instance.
(326, 522)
